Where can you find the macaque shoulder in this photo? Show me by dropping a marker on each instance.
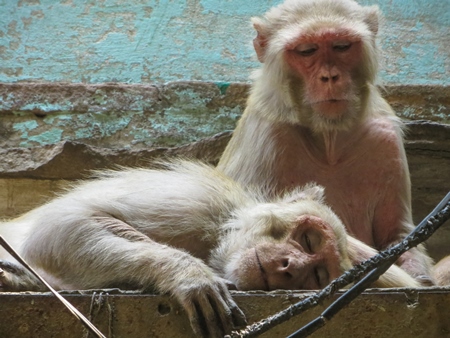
(383, 135)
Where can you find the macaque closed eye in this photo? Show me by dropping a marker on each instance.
(342, 46)
(321, 276)
(306, 49)
(310, 241)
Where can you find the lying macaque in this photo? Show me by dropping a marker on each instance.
(315, 115)
(187, 230)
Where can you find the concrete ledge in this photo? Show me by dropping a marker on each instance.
(393, 313)
(73, 160)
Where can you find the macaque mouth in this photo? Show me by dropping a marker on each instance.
(263, 273)
(330, 101)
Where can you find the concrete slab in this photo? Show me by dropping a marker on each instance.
(396, 313)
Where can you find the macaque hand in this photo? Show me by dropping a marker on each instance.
(426, 280)
(211, 310)
(417, 269)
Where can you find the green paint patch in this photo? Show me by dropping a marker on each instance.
(140, 136)
(223, 86)
(51, 136)
(83, 133)
(46, 107)
(25, 126)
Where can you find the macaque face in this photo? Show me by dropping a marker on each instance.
(308, 258)
(327, 63)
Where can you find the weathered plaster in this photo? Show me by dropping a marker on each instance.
(117, 116)
(137, 41)
(143, 116)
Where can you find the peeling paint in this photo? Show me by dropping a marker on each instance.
(112, 116)
(223, 86)
(156, 116)
(52, 136)
(157, 41)
(46, 107)
(25, 127)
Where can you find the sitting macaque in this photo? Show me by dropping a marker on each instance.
(187, 230)
(315, 115)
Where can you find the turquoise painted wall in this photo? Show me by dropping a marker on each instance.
(155, 41)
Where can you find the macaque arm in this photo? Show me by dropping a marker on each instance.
(104, 251)
(250, 155)
(393, 216)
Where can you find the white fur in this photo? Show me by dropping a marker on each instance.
(163, 219)
(66, 239)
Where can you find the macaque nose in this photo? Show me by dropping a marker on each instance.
(289, 272)
(327, 78)
(329, 74)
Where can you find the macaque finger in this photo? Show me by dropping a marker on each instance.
(223, 312)
(212, 311)
(195, 323)
(238, 317)
(217, 319)
(203, 319)
(216, 312)
(230, 285)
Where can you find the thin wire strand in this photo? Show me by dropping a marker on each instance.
(69, 306)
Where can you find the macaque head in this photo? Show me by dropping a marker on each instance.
(308, 258)
(294, 243)
(325, 52)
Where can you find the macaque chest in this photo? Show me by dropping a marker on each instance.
(354, 184)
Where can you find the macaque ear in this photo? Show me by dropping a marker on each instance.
(260, 42)
(372, 18)
(311, 191)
